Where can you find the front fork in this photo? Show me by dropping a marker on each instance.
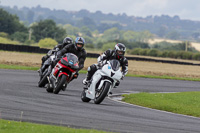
(90, 93)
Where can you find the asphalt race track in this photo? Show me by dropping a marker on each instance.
(21, 99)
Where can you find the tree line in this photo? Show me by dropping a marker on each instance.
(171, 27)
(47, 34)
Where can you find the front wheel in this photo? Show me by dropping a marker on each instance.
(43, 81)
(83, 97)
(60, 83)
(102, 93)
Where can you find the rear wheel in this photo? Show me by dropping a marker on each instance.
(49, 88)
(102, 93)
(83, 97)
(59, 85)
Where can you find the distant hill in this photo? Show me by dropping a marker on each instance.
(162, 26)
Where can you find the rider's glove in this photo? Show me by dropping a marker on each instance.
(57, 49)
(49, 53)
(100, 64)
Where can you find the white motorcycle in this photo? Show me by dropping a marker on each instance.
(102, 82)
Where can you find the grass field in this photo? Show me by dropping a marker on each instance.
(135, 67)
(187, 103)
(194, 44)
(7, 126)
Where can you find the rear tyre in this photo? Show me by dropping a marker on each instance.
(60, 83)
(99, 96)
(83, 97)
(49, 89)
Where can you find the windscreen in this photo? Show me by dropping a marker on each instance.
(115, 65)
(72, 59)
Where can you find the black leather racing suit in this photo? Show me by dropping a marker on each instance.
(57, 47)
(108, 55)
(81, 54)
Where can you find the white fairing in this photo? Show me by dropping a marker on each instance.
(107, 71)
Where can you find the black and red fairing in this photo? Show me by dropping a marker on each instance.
(70, 60)
(68, 64)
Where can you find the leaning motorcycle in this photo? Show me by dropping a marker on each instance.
(102, 82)
(63, 72)
(46, 68)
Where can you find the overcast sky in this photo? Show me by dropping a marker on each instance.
(186, 9)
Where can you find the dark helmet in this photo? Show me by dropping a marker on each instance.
(120, 49)
(80, 41)
(67, 41)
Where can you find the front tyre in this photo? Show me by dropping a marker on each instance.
(83, 97)
(43, 81)
(102, 93)
(61, 81)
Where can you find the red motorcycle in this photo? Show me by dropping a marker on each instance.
(63, 72)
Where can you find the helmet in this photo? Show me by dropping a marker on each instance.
(120, 50)
(80, 41)
(67, 41)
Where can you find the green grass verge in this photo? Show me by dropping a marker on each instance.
(163, 77)
(187, 103)
(7, 126)
(17, 67)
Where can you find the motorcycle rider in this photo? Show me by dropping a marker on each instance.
(66, 41)
(77, 49)
(117, 53)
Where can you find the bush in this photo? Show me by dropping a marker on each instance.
(89, 46)
(165, 54)
(3, 34)
(184, 55)
(19, 36)
(28, 42)
(47, 43)
(171, 54)
(135, 51)
(196, 56)
(144, 51)
(154, 52)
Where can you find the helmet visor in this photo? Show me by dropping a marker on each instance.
(79, 45)
(120, 52)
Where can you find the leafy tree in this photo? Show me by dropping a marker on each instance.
(71, 30)
(174, 35)
(88, 40)
(30, 16)
(10, 23)
(86, 31)
(19, 36)
(132, 36)
(3, 34)
(162, 31)
(88, 22)
(103, 26)
(48, 29)
(47, 43)
(109, 45)
(174, 46)
(110, 35)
